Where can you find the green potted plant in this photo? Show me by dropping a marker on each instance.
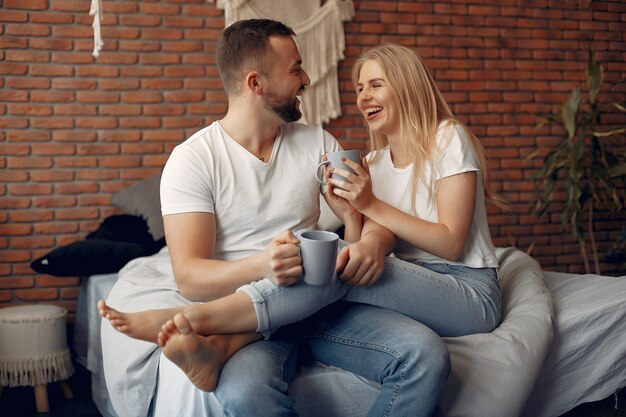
(588, 163)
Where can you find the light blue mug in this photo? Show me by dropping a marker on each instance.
(318, 249)
(333, 159)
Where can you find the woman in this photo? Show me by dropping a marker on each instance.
(425, 181)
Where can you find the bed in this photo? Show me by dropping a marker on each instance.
(560, 344)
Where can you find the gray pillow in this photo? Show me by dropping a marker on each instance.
(143, 199)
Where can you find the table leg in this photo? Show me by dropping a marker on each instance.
(41, 398)
(67, 390)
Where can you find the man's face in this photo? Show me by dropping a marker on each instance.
(287, 80)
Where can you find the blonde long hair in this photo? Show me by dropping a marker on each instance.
(422, 108)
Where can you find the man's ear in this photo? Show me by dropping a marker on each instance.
(252, 83)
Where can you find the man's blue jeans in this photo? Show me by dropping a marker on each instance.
(407, 358)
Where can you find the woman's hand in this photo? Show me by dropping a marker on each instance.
(341, 207)
(362, 263)
(357, 190)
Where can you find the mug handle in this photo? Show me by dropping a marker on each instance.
(317, 172)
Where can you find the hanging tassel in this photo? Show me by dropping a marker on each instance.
(37, 370)
(95, 11)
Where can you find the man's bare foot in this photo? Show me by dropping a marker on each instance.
(144, 325)
(200, 357)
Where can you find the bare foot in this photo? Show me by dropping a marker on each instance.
(144, 325)
(166, 331)
(200, 357)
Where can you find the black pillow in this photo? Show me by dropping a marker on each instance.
(89, 257)
(119, 239)
(124, 228)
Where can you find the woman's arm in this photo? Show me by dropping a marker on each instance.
(351, 218)
(456, 198)
(191, 241)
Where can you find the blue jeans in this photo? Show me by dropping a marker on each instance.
(255, 380)
(452, 300)
(407, 358)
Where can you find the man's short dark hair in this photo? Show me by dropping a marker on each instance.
(243, 47)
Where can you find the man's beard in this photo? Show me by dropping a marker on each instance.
(286, 109)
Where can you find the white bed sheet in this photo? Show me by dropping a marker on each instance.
(585, 362)
(587, 358)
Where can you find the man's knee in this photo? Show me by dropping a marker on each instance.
(429, 354)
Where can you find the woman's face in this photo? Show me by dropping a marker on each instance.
(376, 102)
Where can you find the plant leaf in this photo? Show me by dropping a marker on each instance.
(609, 133)
(595, 75)
(570, 109)
(617, 171)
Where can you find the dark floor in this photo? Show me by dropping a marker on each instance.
(20, 402)
(613, 406)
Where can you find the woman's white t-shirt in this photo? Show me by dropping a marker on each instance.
(252, 201)
(393, 185)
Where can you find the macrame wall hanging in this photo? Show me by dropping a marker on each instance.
(96, 12)
(320, 37)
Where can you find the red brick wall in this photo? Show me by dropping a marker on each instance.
(75, 129)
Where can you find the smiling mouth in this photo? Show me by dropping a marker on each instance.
(371, 112)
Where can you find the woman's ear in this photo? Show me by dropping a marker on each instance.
(252, 83)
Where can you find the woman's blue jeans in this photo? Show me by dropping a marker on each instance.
(452, 300)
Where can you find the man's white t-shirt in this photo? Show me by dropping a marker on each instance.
(252, 201)
(393, 185)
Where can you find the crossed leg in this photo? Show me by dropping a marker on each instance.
(190, 335)
(231, 314)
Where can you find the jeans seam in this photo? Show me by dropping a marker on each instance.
(285, 385)
(492, 285)
(396, 388)
(394, 353)
(423, 275)
(351, 342)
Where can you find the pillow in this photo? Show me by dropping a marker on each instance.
(119, 239)
(124, 228)
(143, 199)
(89, 257)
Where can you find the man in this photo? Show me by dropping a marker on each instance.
(230, 196)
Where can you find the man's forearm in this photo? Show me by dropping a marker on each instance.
(209, 279)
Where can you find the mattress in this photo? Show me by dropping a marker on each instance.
(585, 360)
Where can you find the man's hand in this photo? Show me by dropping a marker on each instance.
(284, 261)
(361, 263)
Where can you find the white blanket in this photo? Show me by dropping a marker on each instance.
(492, 374)
(130, 365)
